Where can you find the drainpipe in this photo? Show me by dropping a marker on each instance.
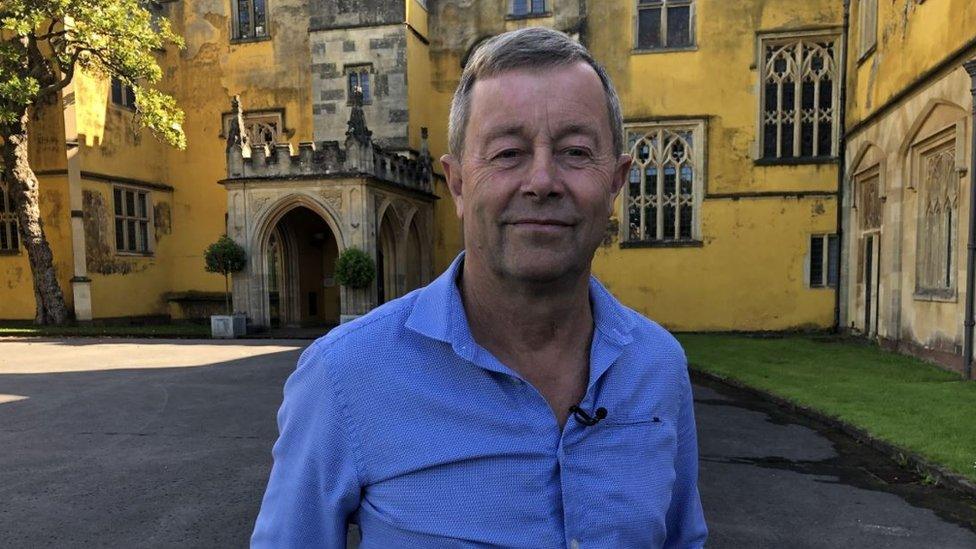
(841, 168)
(967, 347)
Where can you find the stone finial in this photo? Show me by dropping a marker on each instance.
(424, 147)
(357, 120)
(237, 134)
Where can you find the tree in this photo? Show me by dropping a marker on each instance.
(42, 44)
(225, 257)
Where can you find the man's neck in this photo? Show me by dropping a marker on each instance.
(518, 318)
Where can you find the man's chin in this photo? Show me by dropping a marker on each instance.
(542, 270)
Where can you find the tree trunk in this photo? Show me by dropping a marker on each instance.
(23, 190)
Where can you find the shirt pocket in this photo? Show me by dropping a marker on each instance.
(628, 466)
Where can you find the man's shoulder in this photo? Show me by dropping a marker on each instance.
(650, 338)
(381, 326)
(368, 341)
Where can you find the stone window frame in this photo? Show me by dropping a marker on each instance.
(867, 28)
(941, 142)
(638, 132)
(764, 68)
(360, 70)
(826, 246)
(9, 229)
(123, 97)
(272, 120)
(532, 9)
(665, 7)
(132, 222)
(252, 31)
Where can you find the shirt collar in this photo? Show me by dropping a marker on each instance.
(438, 313)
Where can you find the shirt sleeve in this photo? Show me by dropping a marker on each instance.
(685, 519)
(314, 484)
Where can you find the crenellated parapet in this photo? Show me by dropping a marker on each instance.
(357, 156)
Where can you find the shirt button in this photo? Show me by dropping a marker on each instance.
(574, 544)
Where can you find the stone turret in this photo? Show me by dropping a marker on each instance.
(357, 156)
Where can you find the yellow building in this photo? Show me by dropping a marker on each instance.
(908, 174)
(732, 113)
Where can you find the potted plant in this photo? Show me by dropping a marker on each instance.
(225, 257)
(356, 270)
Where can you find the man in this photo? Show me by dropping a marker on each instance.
(513, 402)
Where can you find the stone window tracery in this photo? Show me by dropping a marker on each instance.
(800, 91)
(662, 197)
(9, 237)
(262, 128)
(250, 19)
(938, 212)
(665, 24)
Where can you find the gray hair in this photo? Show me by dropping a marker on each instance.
(534, 47)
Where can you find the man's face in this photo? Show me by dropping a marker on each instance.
(537, 179)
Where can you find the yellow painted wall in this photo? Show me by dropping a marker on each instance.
(16, 284)
(749, 272)
(913, 38)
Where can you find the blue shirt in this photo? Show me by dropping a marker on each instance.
(401, 422)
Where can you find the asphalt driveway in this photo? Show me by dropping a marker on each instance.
(154, 443)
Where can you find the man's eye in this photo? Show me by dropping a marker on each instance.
(508, 155)
(576, 153)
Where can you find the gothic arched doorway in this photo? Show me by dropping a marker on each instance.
(299, 264)
(386, 260)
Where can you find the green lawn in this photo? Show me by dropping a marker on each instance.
(187, 330)
(899, 399)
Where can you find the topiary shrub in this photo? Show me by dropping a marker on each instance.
(354, 268)
(225, 257)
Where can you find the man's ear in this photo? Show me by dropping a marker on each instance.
(452, 172)
(621, 173)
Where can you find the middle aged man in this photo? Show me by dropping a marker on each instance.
(513, 402)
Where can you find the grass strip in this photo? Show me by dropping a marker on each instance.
(896, 398)
(186, 330)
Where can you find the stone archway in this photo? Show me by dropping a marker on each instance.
(299, 258)
(289, 280)
(387, 259)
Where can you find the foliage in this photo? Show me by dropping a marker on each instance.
(899, 399)
(225, 256)
(45, 41)
(355, 268)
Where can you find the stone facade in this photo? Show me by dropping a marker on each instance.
(357, 188)
(373, 41)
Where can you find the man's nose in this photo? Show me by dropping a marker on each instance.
(543, 180)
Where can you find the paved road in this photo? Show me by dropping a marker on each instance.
(135, 443)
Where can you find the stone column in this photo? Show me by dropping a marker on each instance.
(80, 283)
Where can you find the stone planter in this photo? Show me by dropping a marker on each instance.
(227, 326)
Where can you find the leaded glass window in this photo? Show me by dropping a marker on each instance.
(358, 77)
(131, 220)
(824, 255)
(663, 24)
(800, 90)
(938, 213)
(9, 237)
(522, 8)
(123, 95)
(251, 18)
(662, 197)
